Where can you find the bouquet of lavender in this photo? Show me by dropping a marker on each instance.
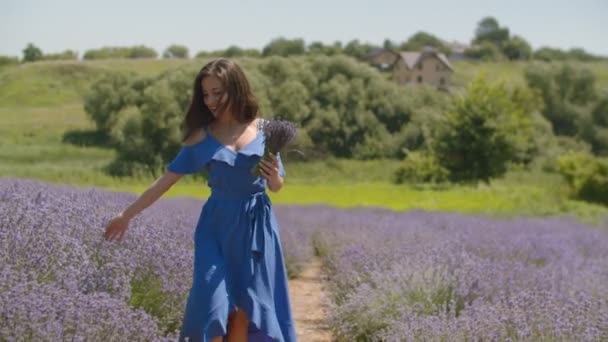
(277, 134)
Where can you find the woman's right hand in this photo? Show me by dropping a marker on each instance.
(116, 228)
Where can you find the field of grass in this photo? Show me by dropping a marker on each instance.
(41, 103)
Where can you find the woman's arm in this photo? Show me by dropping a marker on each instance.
(153, 193)
(162, 184)
(275, 184)
(118, 225)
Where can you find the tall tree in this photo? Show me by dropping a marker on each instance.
(32, 53)
(488, 29)
(421, 39)
(389, 45)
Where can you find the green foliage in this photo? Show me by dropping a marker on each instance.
(580, 54)
(107, 97)
(343, 108)
(488, 30)
(32, 53)
(209, 54)
(493, 43)
(484, 131)
(344, 120)
(389, 45)
(517, 48)
(66, 55)
(572, 103)
(139, 51)
(548, 159)
(484, 51)
(425, 108)
(284, 47)
(542, 137)
(586, 175)
(327, 50)
(566, 92)
(357, 50)
(149, 136)
(147, 293)
(232, 51)
(176, 51)
(549, 54)
(593, 127)
(346, 108)
(421, 39)
(419, 167)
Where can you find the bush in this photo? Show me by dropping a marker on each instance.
(109, 95)
(586, 175)
(560, 145)
(485, 130)
(420, 167)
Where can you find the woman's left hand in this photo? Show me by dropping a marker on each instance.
(269, 168)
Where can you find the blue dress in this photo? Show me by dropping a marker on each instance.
(238, 259)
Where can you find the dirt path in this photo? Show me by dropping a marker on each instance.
(308, 304)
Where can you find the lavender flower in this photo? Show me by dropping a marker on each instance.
(390, 276)
(277, 133)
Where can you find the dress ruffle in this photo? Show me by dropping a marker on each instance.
(194, 158)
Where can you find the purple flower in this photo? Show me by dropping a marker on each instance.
(277, 134)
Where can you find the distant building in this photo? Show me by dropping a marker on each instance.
(458, 50)
(382, 59)
(428, 66)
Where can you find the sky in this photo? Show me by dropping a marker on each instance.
(80, 25)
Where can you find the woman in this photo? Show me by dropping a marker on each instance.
(239, 284)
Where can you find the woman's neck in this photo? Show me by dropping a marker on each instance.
(227, 120)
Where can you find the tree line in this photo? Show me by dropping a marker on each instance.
(491, 42)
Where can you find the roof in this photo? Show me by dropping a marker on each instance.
(378, 51)
(411, 59)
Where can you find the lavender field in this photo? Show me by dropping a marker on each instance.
(422, 276)
(412, 276)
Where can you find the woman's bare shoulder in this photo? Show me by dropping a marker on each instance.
(195, 137)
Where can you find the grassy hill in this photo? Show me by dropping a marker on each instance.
(42, 102)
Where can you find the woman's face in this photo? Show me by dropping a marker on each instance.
(214, 95)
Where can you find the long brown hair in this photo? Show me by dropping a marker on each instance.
(240, 100)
